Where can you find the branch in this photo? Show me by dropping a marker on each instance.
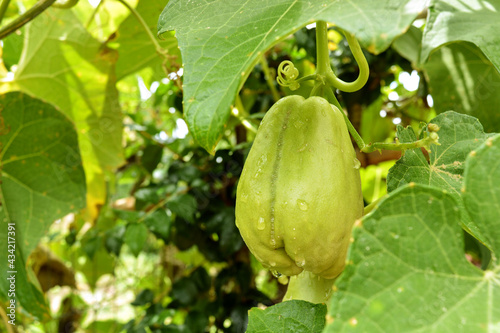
(19, 22)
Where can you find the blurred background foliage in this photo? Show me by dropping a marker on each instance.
(162, 253)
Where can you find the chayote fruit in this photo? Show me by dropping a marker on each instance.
(300, 190)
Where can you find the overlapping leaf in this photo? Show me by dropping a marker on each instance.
(459, 20)
(221, 40)
(482, 190)
(65, 66)
(458, 135)
(137, 50)
(291, 316)
(42, 180)
(407, 271)
(462, 79)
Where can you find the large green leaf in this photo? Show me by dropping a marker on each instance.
(462, 79)
(42, 180)
(407, 272)
(221, 40)
(136, 48)
(458, 136)
(291, 316)
(458, 20)
(482, 190)
(65, 66)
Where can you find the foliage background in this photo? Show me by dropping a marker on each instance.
(147, 243)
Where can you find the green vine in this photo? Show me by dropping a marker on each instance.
(326, 81)
(28, 16)
(161, 51)
(65, 4)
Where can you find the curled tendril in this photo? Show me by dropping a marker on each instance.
(287, 75)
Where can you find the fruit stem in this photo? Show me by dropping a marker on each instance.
(309, 287)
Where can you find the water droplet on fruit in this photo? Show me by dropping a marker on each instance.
(262, 160)
(244, 197)
(302, 205)
(276, 274)
(298, 124)
(357, 163)
(301, 262)
(272, 263)
(261, 224)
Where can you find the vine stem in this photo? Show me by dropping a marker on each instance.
(242, 115)
(94, 13)
(269, 79)
(364, 70)
(309, 287)
(66, 4)
(139, 18)
(153, 39)
(28, 16)
(323, 68)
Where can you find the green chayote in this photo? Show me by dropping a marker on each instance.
(300, 190)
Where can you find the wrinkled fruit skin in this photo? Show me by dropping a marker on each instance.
(300, 190)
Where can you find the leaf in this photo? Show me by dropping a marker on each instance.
(183, 205)
(290, 316)
(482, 190)
(42, 175)
(407, 272)
(42, 181)
(144, 297)
(408, 45)
(65, 66)
(114, 239)
(135, 237)
(458, 135)
(221, 41)
(159, 223)
(136, 48)
(457, 20)
(102, 263)
(462, 79)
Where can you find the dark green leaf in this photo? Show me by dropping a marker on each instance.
(135, 237)
(114, 239)
(159, 223)
(151, 156)
(185, 291)
(222, 40)
(184, 206)
(144, 297)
